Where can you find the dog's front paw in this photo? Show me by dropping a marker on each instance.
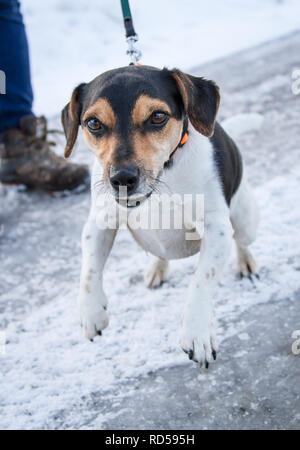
(199, 339)
(93, 318)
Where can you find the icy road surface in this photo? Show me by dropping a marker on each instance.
(135, 375)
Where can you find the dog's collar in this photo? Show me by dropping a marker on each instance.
(183, 140)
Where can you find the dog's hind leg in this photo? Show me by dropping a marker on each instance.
(157, 273)
(246, 263)
(244, 218)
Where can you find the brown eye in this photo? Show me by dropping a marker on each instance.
(158, 117)
(94, 124)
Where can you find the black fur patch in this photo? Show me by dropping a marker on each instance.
(228, 161)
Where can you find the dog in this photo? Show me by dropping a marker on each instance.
(150, 127)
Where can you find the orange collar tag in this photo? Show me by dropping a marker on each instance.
(184, 139)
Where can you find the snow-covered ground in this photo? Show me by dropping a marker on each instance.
(49, 375)
(73, 41)
(49, 367)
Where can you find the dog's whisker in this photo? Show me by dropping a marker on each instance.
(157, 183)
(99, 186)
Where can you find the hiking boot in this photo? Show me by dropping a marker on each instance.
(26, 158)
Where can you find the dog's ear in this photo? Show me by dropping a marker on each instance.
(70, 118)
(201, 99)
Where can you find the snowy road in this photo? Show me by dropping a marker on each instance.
(136, 376)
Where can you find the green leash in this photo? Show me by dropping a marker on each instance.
(131, 36)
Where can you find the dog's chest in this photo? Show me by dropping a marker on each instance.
(193, 181)
(167, 244)
(167, 227)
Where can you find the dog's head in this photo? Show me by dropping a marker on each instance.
(133, 118)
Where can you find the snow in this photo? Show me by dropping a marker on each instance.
(239, 124)
(48, 365)
(48, 368)
(72, 42)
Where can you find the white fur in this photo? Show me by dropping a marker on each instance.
(157, 273)
(193, 172)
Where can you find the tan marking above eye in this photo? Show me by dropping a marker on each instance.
(145, 106)
(103, 111)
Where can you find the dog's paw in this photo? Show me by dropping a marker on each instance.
(246, 264)
(199, 340)
(94, 319)
(157, 273)
(201, 348)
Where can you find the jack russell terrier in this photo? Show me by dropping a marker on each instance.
(155, 130)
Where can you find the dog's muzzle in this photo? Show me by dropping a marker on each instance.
(126, 183)
(124, 179)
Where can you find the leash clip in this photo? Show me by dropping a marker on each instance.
(134, 53)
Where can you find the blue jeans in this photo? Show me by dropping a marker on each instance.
(14, 61)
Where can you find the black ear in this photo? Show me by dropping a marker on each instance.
(201, 99)
(70, 118)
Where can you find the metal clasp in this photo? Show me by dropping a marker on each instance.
(134, 53)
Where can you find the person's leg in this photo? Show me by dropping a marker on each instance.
(14, 61)
(25, 154)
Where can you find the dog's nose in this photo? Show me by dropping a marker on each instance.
(124, 177)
